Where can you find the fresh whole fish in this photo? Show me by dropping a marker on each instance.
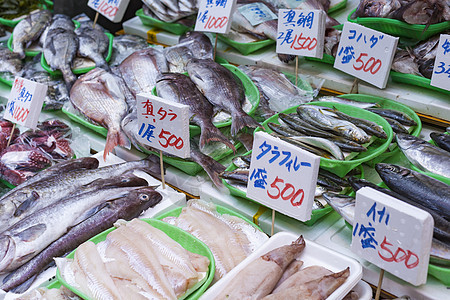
(346, 101)
(99, 96)
(58, 21)
(377, 8)
(29, 29)
(199, 44)
(333, 177)
(296, 123)
(306, 147)
(420, 188)
(332, 39)
(124, 45)
(369, 127)
(178, 57)
(321, 143)
(57, 92)
(328, 184)
(93, 44)
(442, 140)
(405, 62)
(240, 163)
(221, 87)
(125, 208)
(423, 12)
(424, 155)
(343, 204)
(399, 116)
(267, 29)
(10, 62)
(396, 126)
(239, 175)
(179, 88)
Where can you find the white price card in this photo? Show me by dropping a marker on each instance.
(163, 124)
(282, 176)
(113, 10)
(215, 15)
(301, 32)
(25, 102)
(366, 54)
(393, 235)
(441, 70)
(257, 13)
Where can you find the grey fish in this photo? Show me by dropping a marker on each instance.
(199, 44)
(321, 143)
(10, 62)
(98, 95)
(328, 184)
(125, 208)
(29, 29)
(442, 140)
(369, 127)
(58, 21)
(57, 92)
(425, 190)
(221, 87)
(239, 175)
(296, 123)
(396, 126)
(342, 100)
(399, 116)
(240, 163)
(124, 45)
(405, 62)
(424, 155)
(267, 29)
(331, 43)
(93, 44)
(377, 8)
(333, 177)
(343, 204)
(26, 238)
(140, 69)
(178, 57)
(179, 88)
(425, 12)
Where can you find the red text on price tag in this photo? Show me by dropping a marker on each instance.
(113, 10)
(215, 16)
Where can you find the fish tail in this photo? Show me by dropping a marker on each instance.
(241, 121)
(113, 139)
(69, 77)
(213, 134)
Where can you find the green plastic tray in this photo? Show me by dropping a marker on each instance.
(246, 48)
(328, 59)
(390, 104)
(12, 23)
(7, 82)
(399, 28)
(337, 7)
(186, 240)
(47, 68)
(341, 168)
(415, 80)
(174, 28)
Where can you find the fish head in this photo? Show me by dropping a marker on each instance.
(406, 141)
(7, 251)
(389, 171)
(145, 195)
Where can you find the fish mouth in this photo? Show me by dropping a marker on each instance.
(381, 167)
(7, 252)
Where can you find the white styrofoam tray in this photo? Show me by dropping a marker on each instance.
(313, 254)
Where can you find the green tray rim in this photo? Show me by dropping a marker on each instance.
(12, 23)
(47, 68)
(174, 28)
(337, 7)
(168, 229)
(327, 59)
(7, 82)
(415, 80)
(246, 48)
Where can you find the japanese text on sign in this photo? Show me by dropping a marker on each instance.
(382, 233)
(441, 70)
(214, 15)
(301, 32)
(257, 13)
(365, 53)
(25, 102)
(110, 9)
(163, 125)
(282, 176)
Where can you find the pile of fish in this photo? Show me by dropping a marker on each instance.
(10, 64)
(415, 189)
(157, 267)
(425, 12)
(229, 238)
(278, 275)
(63, 206)
(33, 150)
(11, 9)
(170, 10)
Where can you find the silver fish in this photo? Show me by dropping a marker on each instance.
(93, 44)
(344, 205)
(10, 62)
(267, 29)
(321, 143)
(347, 101)
(124, 45)
(58, 21)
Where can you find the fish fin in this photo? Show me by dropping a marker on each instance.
(89, 213)
(241, 121)
(113, 139)
(23, 287)
(213, 134)
(27, 204)
(32, 233)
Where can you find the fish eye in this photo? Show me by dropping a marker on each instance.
(143, 197)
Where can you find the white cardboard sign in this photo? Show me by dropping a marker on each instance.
(393, 235)
(113, 10)
(282, 176)
(215, 16)
(163, 124)
(441, 70)
(301, 32)
(25, 102)
(366, 53)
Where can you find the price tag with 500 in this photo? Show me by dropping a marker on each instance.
(366, 54)
(163, 124)
(215, 16)
(282, 176)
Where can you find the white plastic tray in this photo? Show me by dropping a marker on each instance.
(314, 254)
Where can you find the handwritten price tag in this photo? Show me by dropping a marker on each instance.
(113, 10)
(25, 102)
(366, 53)
(393, 235)
(257, 13)
(163, 124)
(214, 16)
(301, 32)
(282, 176)
(441, 70)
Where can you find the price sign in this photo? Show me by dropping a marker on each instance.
(113, 10)
(25, 102)
(257, 13)
(366, 53)
(393, 235)
(214, 16)
(301, 32)
(282, 176)
(441, 70)
(163, 124)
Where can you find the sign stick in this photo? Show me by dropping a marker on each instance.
(10, 136)
(273, 222)
(296, 70)
(215, 47)
(355, 86)
(380, 281)
(161, 164)
(95, 20)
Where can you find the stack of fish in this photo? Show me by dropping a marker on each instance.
(157, 267)
(63, 206)
(410, 11)
(10, 64)
(278, 275)
(170, 10)
(229, 238)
